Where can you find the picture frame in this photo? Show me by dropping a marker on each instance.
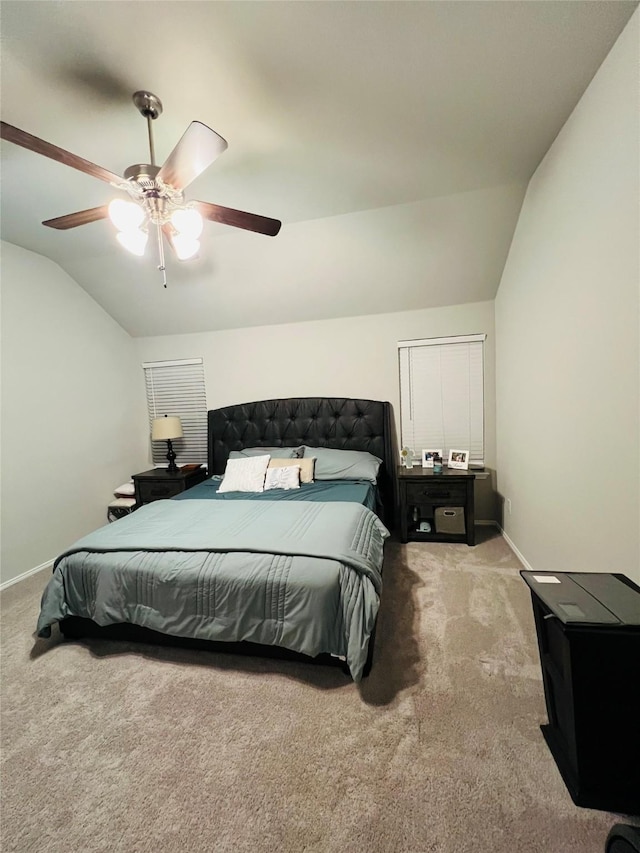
(459, 459)
(427, 457)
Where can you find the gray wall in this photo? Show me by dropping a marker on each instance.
(567, 336)
(72, 399)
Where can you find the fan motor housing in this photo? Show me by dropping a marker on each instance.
(144, 174)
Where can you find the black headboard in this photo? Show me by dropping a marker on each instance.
(338, 422)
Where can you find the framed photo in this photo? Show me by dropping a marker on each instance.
(427, 457)
(459, 459)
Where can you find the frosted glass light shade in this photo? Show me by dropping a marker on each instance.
(188, 223)
(134, 241)
(185, 247)
(125, 215)
(170, 426)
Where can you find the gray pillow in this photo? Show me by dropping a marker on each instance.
(343, 464)
(277, 452)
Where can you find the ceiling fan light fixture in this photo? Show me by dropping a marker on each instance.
(126, 215)
(134, 240)
(187, 222)
(157, 192)
(185, 247)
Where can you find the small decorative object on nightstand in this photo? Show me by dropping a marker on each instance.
(436, 507)
(161, 483)
(406, 454)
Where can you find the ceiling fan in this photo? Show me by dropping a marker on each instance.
(156, 192)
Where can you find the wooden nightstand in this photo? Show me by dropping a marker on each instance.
(444, 502)
(158, 484)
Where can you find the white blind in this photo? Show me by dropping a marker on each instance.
(442, 395)
(177, 388)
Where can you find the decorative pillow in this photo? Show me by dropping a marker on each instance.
(286, 477)
(305, 465)
(334, 464)
(245, 475)
(280, 452)
(126, 490)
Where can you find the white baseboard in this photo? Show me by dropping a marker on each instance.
(509, 542)
(515, 550)
(24, 575)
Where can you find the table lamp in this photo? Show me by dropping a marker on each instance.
(164, 429)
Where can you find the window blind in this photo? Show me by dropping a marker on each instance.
(177, 388)
(442, 395)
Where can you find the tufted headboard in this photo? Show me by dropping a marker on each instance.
(338, 422)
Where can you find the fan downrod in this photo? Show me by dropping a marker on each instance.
(148, 104)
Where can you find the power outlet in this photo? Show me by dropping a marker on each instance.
(508, 502)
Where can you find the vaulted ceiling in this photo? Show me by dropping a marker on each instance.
(393, 139)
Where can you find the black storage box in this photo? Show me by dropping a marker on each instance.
(588, 627)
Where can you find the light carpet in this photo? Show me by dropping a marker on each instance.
(116, 747)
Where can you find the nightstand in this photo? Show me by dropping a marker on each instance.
(158, 484)
(436, 507)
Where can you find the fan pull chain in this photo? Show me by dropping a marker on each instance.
(161, 265)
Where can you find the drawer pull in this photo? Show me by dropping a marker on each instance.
(434, 490)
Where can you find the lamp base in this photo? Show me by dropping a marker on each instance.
(171, 456)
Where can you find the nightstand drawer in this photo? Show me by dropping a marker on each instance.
(158, 491)
(160, 483)
(435, 492)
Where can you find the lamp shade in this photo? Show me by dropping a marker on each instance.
(185, 247)
(126, 215)
(165, 428)
(134, 241)
(187, 222)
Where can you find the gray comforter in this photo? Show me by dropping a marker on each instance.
(305, 576)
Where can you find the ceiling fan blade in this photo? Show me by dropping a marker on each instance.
(82, 217)
(239, 219)
(39, 146)
(198, 147)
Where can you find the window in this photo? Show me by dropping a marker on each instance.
(442, 395)
(177, 388)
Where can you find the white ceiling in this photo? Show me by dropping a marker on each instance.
(393, 139)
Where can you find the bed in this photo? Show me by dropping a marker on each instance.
(286, 572)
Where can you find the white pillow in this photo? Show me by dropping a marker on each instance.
(245, 475)
(125, 490)
(287, 477)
